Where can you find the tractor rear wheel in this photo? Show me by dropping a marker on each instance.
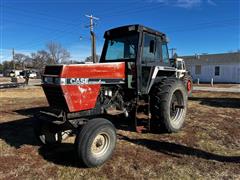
(169, 103)
(95, 142)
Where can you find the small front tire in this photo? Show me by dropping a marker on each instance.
(95, 142)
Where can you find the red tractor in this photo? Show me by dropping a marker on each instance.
(134, 79)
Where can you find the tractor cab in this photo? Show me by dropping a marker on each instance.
(144, 52)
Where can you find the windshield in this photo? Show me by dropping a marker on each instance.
(122, 48)
(179, 65)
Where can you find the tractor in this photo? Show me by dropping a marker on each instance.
(183, 74)
(133, 80)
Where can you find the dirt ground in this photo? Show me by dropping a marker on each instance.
(208, 147)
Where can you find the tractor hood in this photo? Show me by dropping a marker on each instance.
(76, 87)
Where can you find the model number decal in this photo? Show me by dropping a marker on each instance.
(80, 81)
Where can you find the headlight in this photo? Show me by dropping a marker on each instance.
(48, 80)
(59, 81)
(53, 80)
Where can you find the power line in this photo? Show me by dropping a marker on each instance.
(40, 15)
(92, 24)
(54, 35)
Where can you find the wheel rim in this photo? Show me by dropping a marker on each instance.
(49, 138)
(100, 144)
(42, 139)
(176, 107)
(189, 86)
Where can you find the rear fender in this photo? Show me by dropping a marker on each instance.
(160, 72)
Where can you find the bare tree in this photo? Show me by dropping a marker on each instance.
(90, 59)
(7, 65)
(1, 68)
(19, 60)
(57, 53)
(40, 59)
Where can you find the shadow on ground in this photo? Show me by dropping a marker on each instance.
(18, 133)
(31, 111)
(177, 150)
(218, 102)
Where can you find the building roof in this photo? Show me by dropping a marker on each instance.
(223, 58)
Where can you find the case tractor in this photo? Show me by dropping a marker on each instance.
(134, 80)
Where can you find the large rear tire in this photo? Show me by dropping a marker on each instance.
(169, 103)
(95, 142)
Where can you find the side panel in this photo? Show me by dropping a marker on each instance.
(83, 95)
(80, 97)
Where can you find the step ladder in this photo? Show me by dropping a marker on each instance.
(143, 115)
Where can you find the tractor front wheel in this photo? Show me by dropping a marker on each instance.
(95, 142)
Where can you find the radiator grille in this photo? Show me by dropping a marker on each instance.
(55, 96)
(53, 70)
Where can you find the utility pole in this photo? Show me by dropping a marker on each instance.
(173, 50)
(93, 38)
(13, 54)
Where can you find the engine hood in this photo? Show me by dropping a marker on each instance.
(76, 87)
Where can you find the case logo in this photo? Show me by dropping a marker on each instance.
(79, 81)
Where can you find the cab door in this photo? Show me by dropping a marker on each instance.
(151, 57)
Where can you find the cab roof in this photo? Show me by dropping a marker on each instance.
(132, 28)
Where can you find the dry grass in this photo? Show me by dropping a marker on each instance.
(208, 147)
(5, 79)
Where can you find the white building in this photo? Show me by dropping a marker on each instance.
(223, 68)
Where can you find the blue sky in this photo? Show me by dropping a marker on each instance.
(192, 26)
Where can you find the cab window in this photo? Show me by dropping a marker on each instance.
(151, 49)
(165, 56)
(148, 49)
(122, 48)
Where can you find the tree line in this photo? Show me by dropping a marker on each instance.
(53, 54)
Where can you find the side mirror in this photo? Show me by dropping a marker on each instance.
(111, 42)
(152, 46)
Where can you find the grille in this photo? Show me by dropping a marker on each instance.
(55, 96)
(53, 70)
